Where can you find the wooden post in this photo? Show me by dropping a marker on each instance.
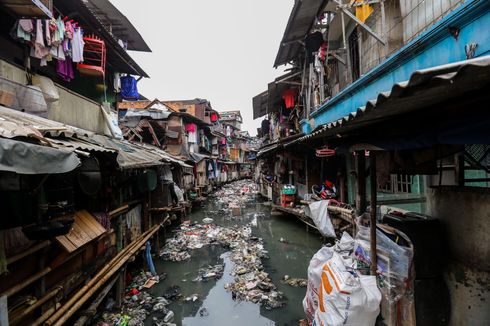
(374, 193)
(361, 183)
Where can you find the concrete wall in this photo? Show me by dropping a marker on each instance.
(72, 108)
(465, 214)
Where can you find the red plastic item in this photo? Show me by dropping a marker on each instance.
(286, 200)
(94, 57)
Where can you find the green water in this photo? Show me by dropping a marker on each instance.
(286, 258)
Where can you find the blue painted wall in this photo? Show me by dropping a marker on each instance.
(434, 47)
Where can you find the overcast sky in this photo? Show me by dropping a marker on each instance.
(220, 50)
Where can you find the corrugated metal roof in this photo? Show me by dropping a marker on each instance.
(118, 24)
(424, 88)
(16, 123)
(271, 147)
(130, 155)
(300, 21)
(80, 144)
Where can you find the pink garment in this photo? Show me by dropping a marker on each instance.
(26, 25)
(190, 127)
(40, 50)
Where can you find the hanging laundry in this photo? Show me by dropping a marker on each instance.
(289, 97)
(40, 50)
(65, 69)
(363, 10)
(77, 45)
(191, 127)
(129, 88)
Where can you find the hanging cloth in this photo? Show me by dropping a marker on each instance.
(129, 88)
(64, 68)
(289, 96)
(77, 45)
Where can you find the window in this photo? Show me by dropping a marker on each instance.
(399, 184)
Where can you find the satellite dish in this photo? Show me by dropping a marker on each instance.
(89, 176)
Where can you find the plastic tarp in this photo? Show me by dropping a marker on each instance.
(26, 158)
(318, 212)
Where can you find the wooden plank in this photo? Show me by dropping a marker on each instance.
(65, 243)
(94, 225)
(85, 226)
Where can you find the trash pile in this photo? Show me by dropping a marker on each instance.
(235, 194)
(138, 305)
(246, 251)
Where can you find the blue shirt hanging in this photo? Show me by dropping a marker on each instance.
(129, 88)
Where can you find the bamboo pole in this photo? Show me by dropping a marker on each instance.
(63, 314)
(44, 316)
(374, 193)
(88, 286)
(37, 304)
(29, 251)
(13, 290)
(93, 307)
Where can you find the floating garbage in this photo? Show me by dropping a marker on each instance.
(296, 282)
(207, 220)
(211, 272)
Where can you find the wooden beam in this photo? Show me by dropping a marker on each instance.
(360, 23)
(28, 252)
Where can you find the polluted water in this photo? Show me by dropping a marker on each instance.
(229, 262)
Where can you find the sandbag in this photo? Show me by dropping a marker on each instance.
(344, 248)
(49, 90)
(345, 297)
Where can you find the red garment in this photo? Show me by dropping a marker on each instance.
(190, 127)
(214, 117)
(289, 96)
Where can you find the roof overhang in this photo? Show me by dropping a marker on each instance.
(29, 8)
(443, 105)
(299, 24)
(118, 24)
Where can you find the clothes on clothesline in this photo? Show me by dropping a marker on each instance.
(50, 39)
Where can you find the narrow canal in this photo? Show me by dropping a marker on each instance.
(289, 246)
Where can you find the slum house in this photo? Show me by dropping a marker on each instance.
(236, 144)
(158, 125)
(371, 80)
(83, 200)
(79, 202)
(199, 141)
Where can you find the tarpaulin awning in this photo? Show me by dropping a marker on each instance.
(441, 105)
(26, 158)
(130, 155)
(196, 157)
